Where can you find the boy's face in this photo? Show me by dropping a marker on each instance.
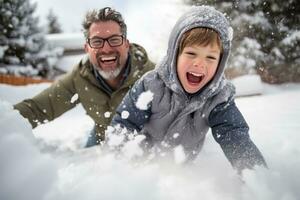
(197, 65)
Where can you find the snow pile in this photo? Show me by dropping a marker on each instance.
(248, 85)
(68, 41)
(54, 166)
(123, 143)
(25, 172)
(179, 154)
(90, 173)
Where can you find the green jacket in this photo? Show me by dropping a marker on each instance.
(99, 104)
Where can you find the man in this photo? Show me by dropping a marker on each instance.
(98, 81)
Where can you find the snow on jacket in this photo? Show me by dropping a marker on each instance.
(175, 118)
(82, 86)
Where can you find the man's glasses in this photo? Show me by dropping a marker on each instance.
(113, 41)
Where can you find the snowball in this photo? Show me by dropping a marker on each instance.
(144, 99)
(176, 135)
(124, 114)
(107, 114)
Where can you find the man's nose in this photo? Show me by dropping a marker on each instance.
(106, 47)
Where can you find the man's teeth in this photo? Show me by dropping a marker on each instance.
(111, 58)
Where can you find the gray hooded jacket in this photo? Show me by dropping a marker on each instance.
(174, 117)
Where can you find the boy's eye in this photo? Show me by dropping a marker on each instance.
(190, 53)
(211, 57)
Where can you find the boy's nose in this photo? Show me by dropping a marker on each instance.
(199, 63)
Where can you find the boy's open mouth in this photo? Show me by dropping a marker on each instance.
(194, 78)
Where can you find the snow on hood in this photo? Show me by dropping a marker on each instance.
(197, 16)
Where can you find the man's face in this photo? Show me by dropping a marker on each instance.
(197, 65)
(108, 60)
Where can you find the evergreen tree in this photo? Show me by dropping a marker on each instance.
(22, 42)
(53, 25)
(266, 37)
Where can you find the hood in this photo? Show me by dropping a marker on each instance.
(196, 16)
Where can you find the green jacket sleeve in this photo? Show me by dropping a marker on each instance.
(50, 103)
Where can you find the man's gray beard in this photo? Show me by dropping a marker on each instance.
(108, 75)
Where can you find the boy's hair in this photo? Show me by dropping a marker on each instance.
(103, 15)
(199, 36)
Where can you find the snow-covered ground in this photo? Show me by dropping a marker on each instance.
(50, 163)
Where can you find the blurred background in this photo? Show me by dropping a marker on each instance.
(43, 39)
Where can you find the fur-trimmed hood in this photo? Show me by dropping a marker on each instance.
(197, 16)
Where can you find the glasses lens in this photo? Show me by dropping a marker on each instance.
(115, 41)
(96, 42)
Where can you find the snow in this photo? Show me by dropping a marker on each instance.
(248, 85)
(249, 52)
(125, 114)
(67, 62)
(2, 50)
(292, 39)
(50, 163)
(132, 148)
(52, 158)
(144, 99)
(74, 98)
(66, 40)
(107, 114)
(179, 155)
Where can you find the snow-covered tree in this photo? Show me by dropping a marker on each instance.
(53, 24)
(266, 37)
(22, 43)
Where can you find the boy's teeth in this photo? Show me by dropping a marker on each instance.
(195, 74)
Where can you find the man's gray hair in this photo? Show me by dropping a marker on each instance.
(103, 15)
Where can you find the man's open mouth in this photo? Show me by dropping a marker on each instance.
(108, 59)
(194, 78)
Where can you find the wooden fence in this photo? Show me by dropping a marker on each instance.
(20, 80)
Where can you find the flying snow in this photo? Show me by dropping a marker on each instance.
(74, 98)
(144, 99)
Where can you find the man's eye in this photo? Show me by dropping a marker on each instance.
(114, 40)
(96, 41)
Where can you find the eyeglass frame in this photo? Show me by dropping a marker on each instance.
(105, 40)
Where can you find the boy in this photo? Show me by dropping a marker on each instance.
(190, 94)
